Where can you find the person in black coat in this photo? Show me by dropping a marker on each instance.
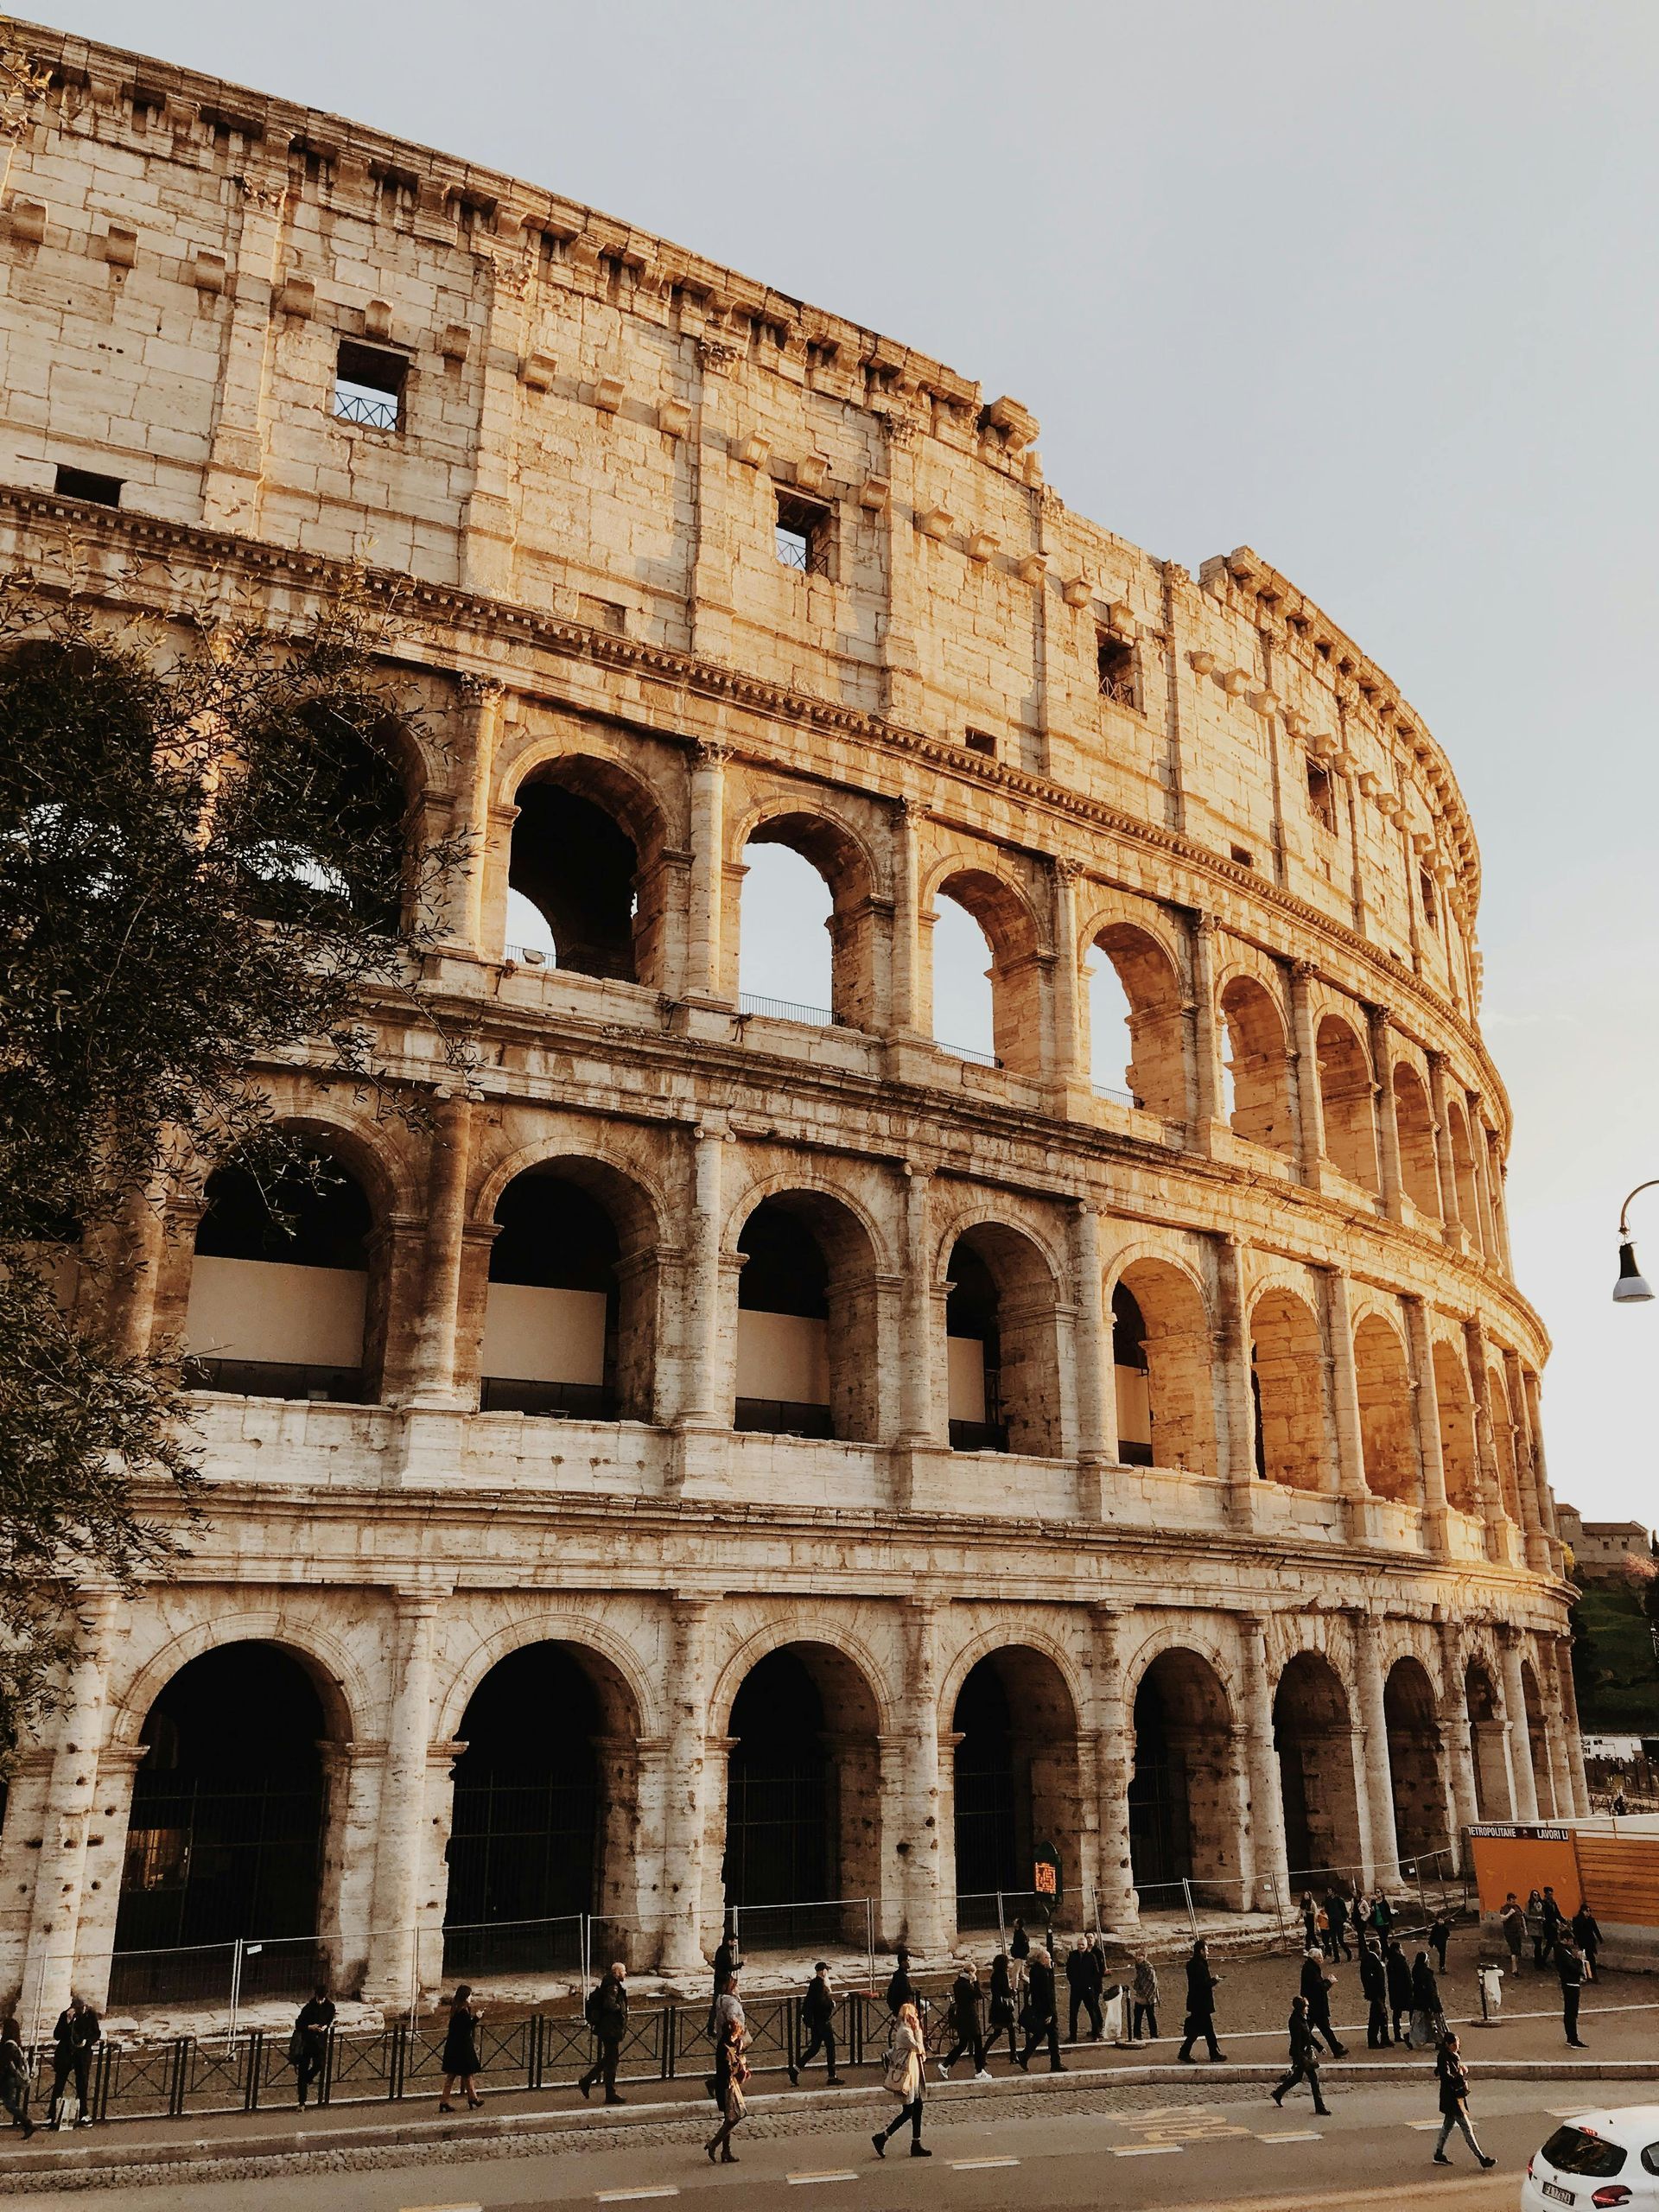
(967, 2024)
(1081, 1984)
(1570, 1967)
(1552, 1920)
(1316, 1990)
(1397, 1970)
(459, 2061)
(1454, 2103)
(1336, 1922)
(1439, 1935)
(1374, 1987)
(1425, 2003)
(606, 2014)
(74, 2038)
(726, 1965)
(1586, 1933)
(1002, 2008)
(1200, 2005)
(1304, 2058)
(308, 2044)
(1042, 2023)
(901, 1988)
(817, 2017)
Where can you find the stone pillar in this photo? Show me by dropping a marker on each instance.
(1266, 1810)
(236, 455)
(1097, 1410)
(1521, 1775)
(449, 1160)
(913, 1816)
(1489, 1489)
(686, 1797)
(1344, 1402)
(1485, 1197)
(70, 1808)
(399, 1842)
(1526, 1468)
(703, 1365)
(1387, 1128)
(1119, 1906)
(1546, 1663)
(1309, 1107)
(919, 1352)
(1073, 1081)
(905, 1014)
(705, 978)
(1427, 1403)
(1373, 1768)
(1208, 1094)
(1581, 1789)
(463, 926)
(1453, 1227)
(1459, 1753)
(1545, 1496)
(1235, 1410)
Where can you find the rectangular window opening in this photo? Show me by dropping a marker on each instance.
(1114, 668)
(369, 387)
(1426, 893)
(981, 740)
(86, 484)
(1321, 799)
(1243, 855)
(801, 539)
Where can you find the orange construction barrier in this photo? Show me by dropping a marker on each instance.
(1509, 1857)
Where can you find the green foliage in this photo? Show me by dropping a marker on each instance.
(1614, 1668)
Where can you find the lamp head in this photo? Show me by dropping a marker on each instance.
(1630, 1289)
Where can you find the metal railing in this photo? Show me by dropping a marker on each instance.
(966, 1053)
(503, 1394)
(374, 411)
(815, 1017)
(848, 1922)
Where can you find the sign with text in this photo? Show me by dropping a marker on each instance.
(1513, 1855)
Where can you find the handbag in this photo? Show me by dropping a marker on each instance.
(69, 2111)
(895, 2068)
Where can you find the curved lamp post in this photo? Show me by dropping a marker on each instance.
(1630, 1289)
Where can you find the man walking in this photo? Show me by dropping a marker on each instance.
(74, 2039)
(1079, 1978)
(1304, 2058)
(1397, 1967)
(1586, 1933)
(967, 2024)
(817, 2017)
(1454, 2104)
(1552, 1920)
(1513, 1922)
(900, 1989)
(1200, 2006)
(1316, 1985)
(1570, 1967)
(1042, 2023)
(1336, 1921)
(1439, 1935)
(606, 2014)
(1374, 1987)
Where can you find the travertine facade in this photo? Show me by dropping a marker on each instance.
(1263, 1504)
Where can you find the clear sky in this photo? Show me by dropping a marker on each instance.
(1370, 286)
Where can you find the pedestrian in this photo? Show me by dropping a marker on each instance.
(1079, 1982)
(459, 2061)
(1536, 1924)
(1619, 1805)
(1310, 1922)
(308, 2047)
(1586, 1933)
(1336, 1915)
(1002, 2008)
(74, 2040)
(905, 2074)
(726, 1965)
(1553, 1920)
(818, 2019)
(1304, 2058)
(1041, 2017)
(1425, 2003)
(1570, 1967)
(13, 2077)
(900, 1989)
(1019, 1942)
(1374, 1987)
(731, 2072)
(1439, 1935)
(1200, 2019)
(1397, 1969)
(1383, 1916)
(606, 2014)
(1454, 2104)
(1316, 1985)
(1095, 1988)
(1144, 1993)
(967, 2024)
(1513, 1922)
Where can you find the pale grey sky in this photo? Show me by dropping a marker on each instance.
(1370, 287)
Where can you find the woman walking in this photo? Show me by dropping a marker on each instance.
(1143, 1992)
(1304, 2058)
(1001, 2005)
(460, 2061)
(1425, 2003)
(731, 2072)
(905, 2074)
(1454, 2104)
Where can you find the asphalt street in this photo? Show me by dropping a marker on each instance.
(1220, 2142)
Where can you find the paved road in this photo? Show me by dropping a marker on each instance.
(1219, 2144)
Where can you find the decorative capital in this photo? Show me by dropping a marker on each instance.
(709, 753)
(479, 690)
(714, 356)
(1067, 871)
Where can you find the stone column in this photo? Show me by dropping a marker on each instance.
(462, 924)
(685, 1800)
(1485, 1197)
(70, 1808)
(1373, 1767)
(1548, 1666)
(1427, 1401)
(1097, 1410)
(236, 455)
(1489, 1489)
(1540, 1470)
(1206, 1035)
(1459, 1753)
(1515, 1701)
(705, 978)
(701, 1392)
(905, 1014)
(1310, 1106)
(919, 1354)
(399, 1842)
(1388, 1127)
(1118, 1905)
(433, 1367)
(913, 1816)
(1344, 1401)
(1236, 1410)
(1073, 1082)
(1453, 1227)
(1526, 1467)
(1266, 1814)
(1581, 1794)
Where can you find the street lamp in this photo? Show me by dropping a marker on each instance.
(1630, 1289)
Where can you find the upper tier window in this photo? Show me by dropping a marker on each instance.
(802, 537)
(369, 387)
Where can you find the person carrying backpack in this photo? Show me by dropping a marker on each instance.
(607, 2013)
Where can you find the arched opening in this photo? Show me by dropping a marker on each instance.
(1002, 1346)
(1162, 1358)
(570, 1312)
(807, 1354)
(1463, 1169)
(1014, 981)
(801, 1799)
(1419, 1170)
(1346, 1102)
(283, 1304)
(1538, 1743)
(1135, 989)
(1419, 1816)
(1314, 1740)
(1287, 1374)
(804, 876)
(1183, 1824)
(585, 872)
(543, 1827)
(1017, 1785)
(1488, 1744)
(226, 1837)
(1386, 1437)
(334, 779)
(1257, 1075)
(1457, 1427)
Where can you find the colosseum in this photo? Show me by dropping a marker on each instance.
(733, 1455)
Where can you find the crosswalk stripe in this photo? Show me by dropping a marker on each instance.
(800, 2181)
(1295, 2135)
(1143, 2150)
(633, 2195)
(977, 2165)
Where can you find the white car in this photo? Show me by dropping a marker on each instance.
(1599, 2158)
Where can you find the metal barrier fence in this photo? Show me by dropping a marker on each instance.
(845, 1922)
(978, 1911)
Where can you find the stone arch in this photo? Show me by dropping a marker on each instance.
(1003, 1295)
(808, 1319)
(1011, 928)
(1163, 1354)
(845, 863)
(588, 853)
(1419, 1167)
(1455, 1399)
(1313, 1734)
(1347, 1095)
(1463, 1172)
(1288, 1379)
(615, 1659)
(1258, 1072)
(1183, 1791)
(1149, 975)
(1383, 1373)
(1410, 1710)
(345, 1694)
(1488, 1739)
(1016, 1774)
